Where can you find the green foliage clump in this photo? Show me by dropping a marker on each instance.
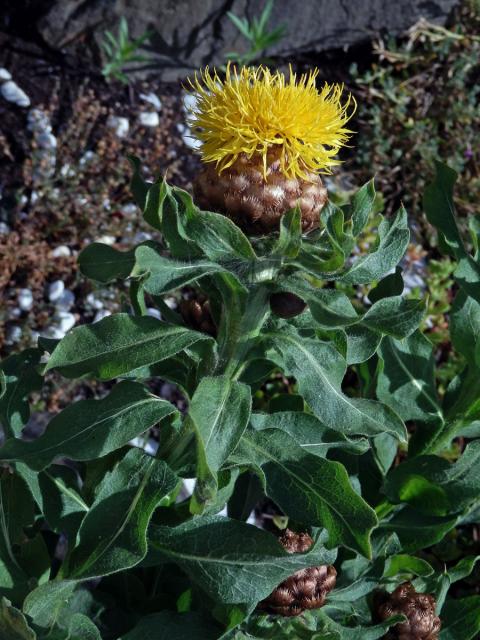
(98, 538)
(257, 35)
(121, 51)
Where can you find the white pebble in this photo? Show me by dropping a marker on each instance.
(66, 320)
(12, 93)
(13, 334)
(142, 236)
(107, 240)
(120, 125)
(87, 157)
(4, 75)
(53, 332)
(61, 251)
(25, 299)
(55, 290)
(66, 300)
(155, 313)
(38, 121)
(94, 302)
(129, 210)
(190, 101)
(46, 140)
(189, 485)
(152, 99)
(100, 315)
(149, 119)
(171, 303)
(150, 446)
(188, 138)
(4, 228)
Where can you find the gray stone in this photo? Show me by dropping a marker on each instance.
(188, 33)
(4, 228)
(4, 75)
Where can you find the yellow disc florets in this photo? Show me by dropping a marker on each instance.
(253, 110)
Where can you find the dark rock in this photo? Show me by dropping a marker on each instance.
(188, 34)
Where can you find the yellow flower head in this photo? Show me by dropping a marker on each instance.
(253, 110)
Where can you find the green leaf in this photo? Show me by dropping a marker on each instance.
(216, 235)
(82, 628)
(56, 492)
(20, 377)
(308, 432)
(13, 624)
(219, 412)
(103, 263)
(332, 309)
(406, 378)
(462, 569)
(320, 262)
(173, 229)
(168, 625)
(440, 211)
(157, 197)
(112, 536)
(361, 207)
(290, 238)
(232, 561)
(393, 239)
(433, 485)
(439, 207)
(416, 530)
(165, 274)
(89, 429)
(309, 489)
(465, 327)
(45, 603)
(391, 285)
(118, 344)
(395, 316)
(319, 370)
(138, 185)
(361, 343)
(400, 564)
(461, 619)
(16, 513)
(356, 633)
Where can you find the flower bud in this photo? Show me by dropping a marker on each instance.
(305, 589)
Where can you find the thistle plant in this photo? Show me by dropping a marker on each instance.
(97, 537)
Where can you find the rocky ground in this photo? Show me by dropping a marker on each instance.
(64, 183)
